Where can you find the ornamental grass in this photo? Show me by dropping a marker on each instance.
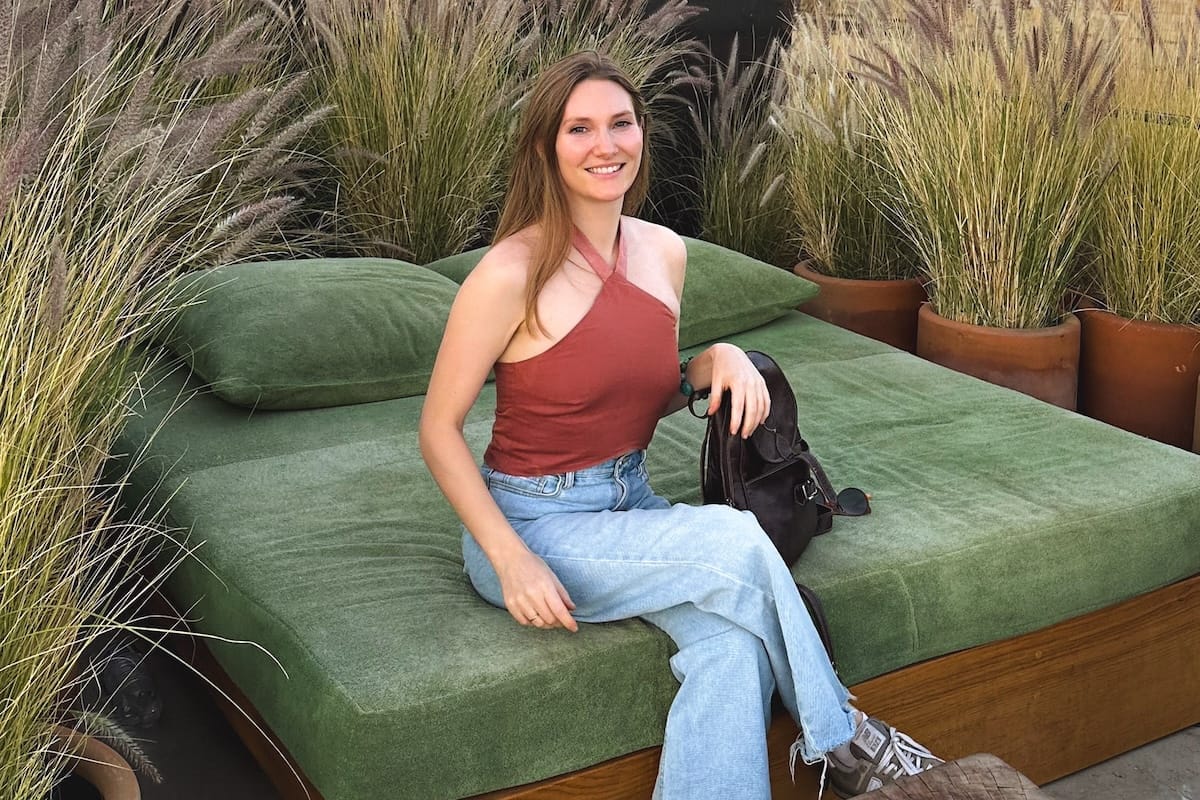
(120, 166)
(1146, 250)
(742, 161)
(991, 127)
(838, 186)
(429, 94)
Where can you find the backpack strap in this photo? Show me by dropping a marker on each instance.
(849, 502)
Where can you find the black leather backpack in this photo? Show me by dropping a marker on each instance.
(772, 473)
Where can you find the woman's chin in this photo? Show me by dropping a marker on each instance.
(603, 194)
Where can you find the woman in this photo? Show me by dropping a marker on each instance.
(576, 307)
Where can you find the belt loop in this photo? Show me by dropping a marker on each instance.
(568, 479)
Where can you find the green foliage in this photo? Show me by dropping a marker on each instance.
(991, 130)
(839, 187)
(424, 96)
(428, 96)
(1146, 252)
(743, 205)
(120, 165)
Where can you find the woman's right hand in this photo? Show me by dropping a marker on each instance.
(533, 594)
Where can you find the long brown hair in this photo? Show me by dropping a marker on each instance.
(535, 187)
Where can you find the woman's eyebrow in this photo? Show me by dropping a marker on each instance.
(570, 120)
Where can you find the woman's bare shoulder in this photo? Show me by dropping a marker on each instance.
(665, 243)
(669, 243)
(506, 263)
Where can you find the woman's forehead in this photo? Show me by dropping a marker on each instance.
(597, 97)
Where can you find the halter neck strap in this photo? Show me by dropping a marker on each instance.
(597, 262)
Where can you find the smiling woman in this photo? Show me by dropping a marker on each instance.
(599, 145)
(575, 307)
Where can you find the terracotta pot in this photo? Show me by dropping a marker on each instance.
(100, 765)
(1140, 376)
(1042, 362)
(1196, 425)
(882, 310)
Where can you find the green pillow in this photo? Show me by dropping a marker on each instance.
(457, 267)
(313, 333)
(726, 292)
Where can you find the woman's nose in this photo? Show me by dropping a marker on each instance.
(605, 143)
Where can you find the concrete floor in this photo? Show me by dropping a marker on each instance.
(1168, 769)
(201, 758)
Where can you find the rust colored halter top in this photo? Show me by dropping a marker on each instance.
(596, 393)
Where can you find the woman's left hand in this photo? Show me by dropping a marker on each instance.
(750, 401)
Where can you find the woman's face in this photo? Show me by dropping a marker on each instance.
(599, 143)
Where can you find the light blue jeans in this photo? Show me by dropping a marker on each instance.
(711, 579)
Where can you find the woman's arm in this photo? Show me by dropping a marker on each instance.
(726, 366)
(722, 366)
(489, 307)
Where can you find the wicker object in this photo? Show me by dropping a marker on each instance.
(979, 777)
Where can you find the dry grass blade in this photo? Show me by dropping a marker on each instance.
(835, 175)
(106, 196)
(1146, 256)
(1149, 26)
(742, 161)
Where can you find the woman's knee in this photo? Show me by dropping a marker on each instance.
(735, 538)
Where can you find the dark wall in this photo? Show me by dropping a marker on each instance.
(754, 20)
(754, 23)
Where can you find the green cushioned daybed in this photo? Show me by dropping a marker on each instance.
(319, 535)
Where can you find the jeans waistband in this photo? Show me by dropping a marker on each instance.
(621, 465)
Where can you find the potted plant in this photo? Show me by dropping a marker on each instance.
(1196, 426)
(1141, 347)
(854, 244)
(102, 759)
(991, 128)
(121, 166)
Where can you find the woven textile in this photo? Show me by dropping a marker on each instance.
(978, 777)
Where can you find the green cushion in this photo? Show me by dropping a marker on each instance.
(322, 537)
(457, 267)
(312, 333)
(725, 292)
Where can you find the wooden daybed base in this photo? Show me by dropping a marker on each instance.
(1049, 703)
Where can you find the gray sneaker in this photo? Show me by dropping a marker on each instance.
(881, 754)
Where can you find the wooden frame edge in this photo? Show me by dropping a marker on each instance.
(1130, 670)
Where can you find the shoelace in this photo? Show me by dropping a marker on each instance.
(907, 753)
(902, 755)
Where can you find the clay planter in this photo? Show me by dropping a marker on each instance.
(882, 310)
(1196, 426)
(100, 765)
(1042, 362)
(1140, 376)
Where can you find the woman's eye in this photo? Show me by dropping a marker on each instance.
(623, 123)
(577, 129)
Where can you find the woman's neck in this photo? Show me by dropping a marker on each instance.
(600, 225)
